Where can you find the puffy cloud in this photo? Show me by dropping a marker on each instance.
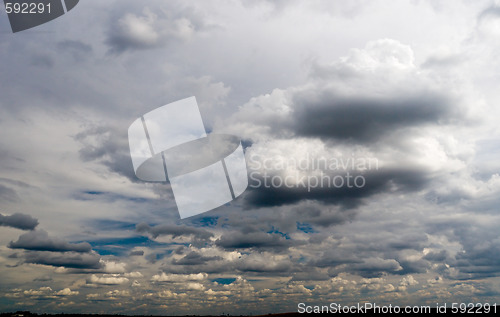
(426, 213)
(264, 263)
(134, 274)
(178, 278)
(19, 221)
(40, 241)
(67, 292)
(148, 29)
(107, 279)
(114, 267)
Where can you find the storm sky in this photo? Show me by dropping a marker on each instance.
(401, 94)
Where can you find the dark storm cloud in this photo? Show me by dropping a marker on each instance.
(365, 120)
(19, 221)
(174, 231)
(67, 259)
(195, 258)
(480, 253)
(254, 240)
(479, 261)
(377, 181)
(40, 241)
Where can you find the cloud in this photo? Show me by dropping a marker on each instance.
(263, 263)
(152, 28)
(67, 259)
(46, 292)
(40, 241)
(374, 267)
(326, 187)
(367, 96)
(178, 278)
(194, 258)
(107, 280)
(67, 292)
(370, 105)
(19, 221)
(367, 120)
(174, 231)
(423, 211)
(254, 240)
(77, 49)
(7, 193)
(137, 253)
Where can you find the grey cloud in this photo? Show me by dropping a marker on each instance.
(153, 26)
(310, 275)
(322, 216)
(480, 254)
(137, 253)
(41, 60)
(215, 266)
(40, 241)
(377, 181)
(7, 193)
(413, 267)
(440, 256)
(112, 150)
(45, 278)
(19, 221)
(66, 259)
(370, 267)
(332, 258)
(77, 49)
(174, 231)
(254, 240)
(479, 261)
(493, 11)
(264, 267)
(365, 120)
(195, 258)
(74, 45)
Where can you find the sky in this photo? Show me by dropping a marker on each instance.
(393, 103)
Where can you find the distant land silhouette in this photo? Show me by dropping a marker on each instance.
(292, 314)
